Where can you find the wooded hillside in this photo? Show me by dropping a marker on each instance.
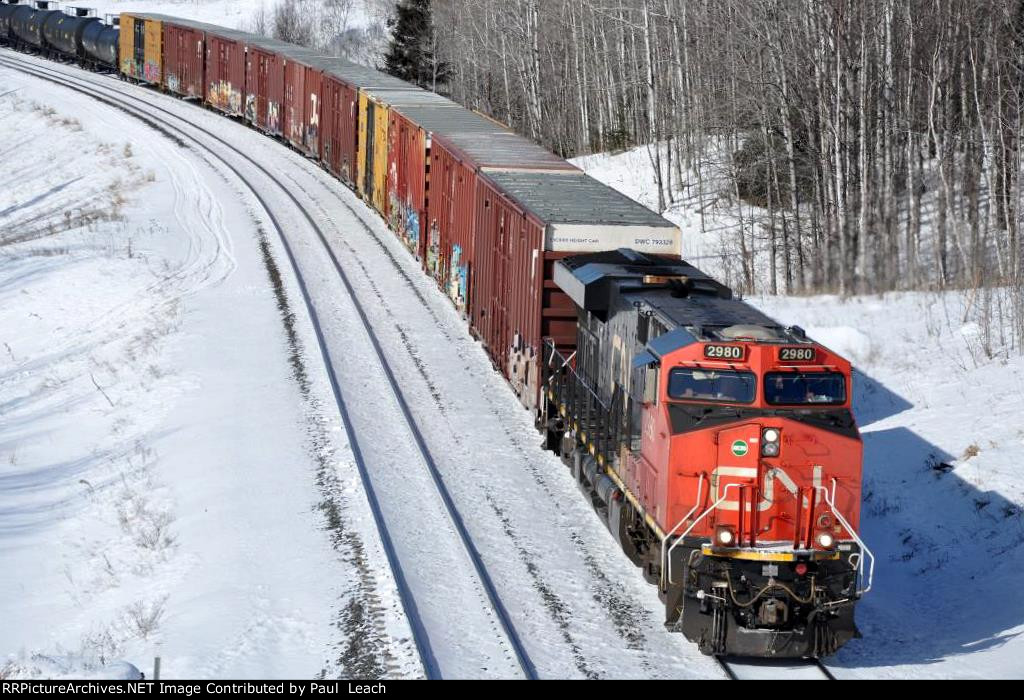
(879, 139)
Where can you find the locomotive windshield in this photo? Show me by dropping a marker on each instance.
(799, 388)
(712, 385)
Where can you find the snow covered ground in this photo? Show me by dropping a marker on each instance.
(941, 406)
(170, 483)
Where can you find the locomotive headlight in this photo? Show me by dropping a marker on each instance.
(825, 540)
(770, 442)
(725, 536)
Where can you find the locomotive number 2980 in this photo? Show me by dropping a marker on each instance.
(796, 354)
(723, 352)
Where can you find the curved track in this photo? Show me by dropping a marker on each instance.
(427, 637)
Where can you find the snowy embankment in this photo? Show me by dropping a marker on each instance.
(943, 426)
(172, 481)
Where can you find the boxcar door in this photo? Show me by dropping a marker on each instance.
(263, 89)
(371, 131)
(139, 54)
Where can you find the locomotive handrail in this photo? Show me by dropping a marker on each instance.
(574, 373)
(696, 505)
(830, 499)
(700, 517)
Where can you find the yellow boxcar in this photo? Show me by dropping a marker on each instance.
(141, 44)
(372, 153)
(126, 45)
(380, 158)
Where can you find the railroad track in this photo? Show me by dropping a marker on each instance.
(426, 639)
(741, 669)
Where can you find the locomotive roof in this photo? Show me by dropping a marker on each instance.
(561, 197)
(679, 294)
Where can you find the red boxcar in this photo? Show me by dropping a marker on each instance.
(264, 84)
(455, 160)
(410, 132)
(524, 222)
(225, 70)
(184, 58)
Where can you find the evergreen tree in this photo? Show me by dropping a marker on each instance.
(410, 53)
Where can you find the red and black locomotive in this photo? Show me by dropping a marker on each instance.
(721, 448)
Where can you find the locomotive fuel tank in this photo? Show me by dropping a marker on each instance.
(100, 43)
(64, 32)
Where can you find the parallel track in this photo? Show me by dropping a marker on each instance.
(116, 96)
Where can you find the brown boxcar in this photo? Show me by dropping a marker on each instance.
(264, 85)
(340, 114)
(410, 133)
(524, 222)
(184, 58)
(314, 106)
(455, 160)
(225, 70)
(301, 113)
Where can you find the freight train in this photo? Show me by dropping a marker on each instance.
(718, 446)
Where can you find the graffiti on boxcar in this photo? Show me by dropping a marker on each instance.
(250, 108)
(313, 130)
(151, 72)
(222, 96)
(458, 282)
(412, 226)
(274, 117)
(433, 250)
(173, 83)
(294, 126)
(395, 218)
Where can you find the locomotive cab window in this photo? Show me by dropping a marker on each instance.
(804, 388)
(711, 385)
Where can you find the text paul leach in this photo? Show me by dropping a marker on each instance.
(307, 689)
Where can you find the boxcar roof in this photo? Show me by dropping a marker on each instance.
(448, 119)
(407, 96)
(556, 197)
(364, 77)
(503, 150)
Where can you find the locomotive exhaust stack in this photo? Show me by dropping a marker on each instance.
(722, 451)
